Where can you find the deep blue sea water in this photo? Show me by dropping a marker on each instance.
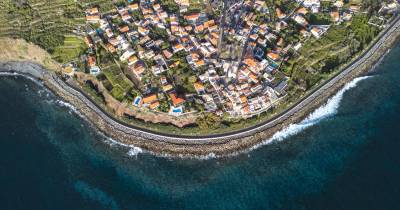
(348, 159)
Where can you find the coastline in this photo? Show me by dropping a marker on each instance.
(201, 147)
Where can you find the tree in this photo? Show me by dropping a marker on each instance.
(330, 64)
(209, 121)
(164, 106)
(192, 79)
(170, 6)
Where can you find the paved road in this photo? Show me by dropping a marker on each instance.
(180, 139)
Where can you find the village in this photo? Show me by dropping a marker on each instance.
(226, 58)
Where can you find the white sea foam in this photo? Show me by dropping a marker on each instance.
(67, 105)
(134, 151)
(16, 74)
(208, 156)
(182, 156)
(325, 111)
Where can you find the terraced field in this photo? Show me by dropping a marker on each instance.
(120, 83)
(71, 49)
(44, 22)
(55, 26)
(47, 23)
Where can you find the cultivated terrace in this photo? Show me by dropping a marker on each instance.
(210, 62)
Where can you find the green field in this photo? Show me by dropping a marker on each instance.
(120, 83)
(320, 57)
(71, 49)
(45, 22)
(51, 24)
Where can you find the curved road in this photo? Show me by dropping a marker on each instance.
(215, 138)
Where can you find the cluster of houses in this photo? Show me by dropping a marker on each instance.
(241, 87)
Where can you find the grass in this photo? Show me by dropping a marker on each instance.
(46, 23)
(118, 93)
(71, 49)
(120, 83)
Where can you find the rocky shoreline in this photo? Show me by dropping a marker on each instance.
(222, 145)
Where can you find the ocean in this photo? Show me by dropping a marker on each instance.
(345, 155)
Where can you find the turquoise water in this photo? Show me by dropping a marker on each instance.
(343, 157)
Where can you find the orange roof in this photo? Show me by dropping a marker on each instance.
(175, 100)
(253, 78)
(273, 56)
(154, 105)
(215, 35)
(142, 30)
(302, 10)
(246, 109)
(355, 7)
(200, 62)
(148, 16)
(167, 54)
(138, 69)
(178, 46)
(93, 10)
(208, 23)
(156, 6)
(253, 36)
(93, 17)
(243, 99)
(199, 28)
(111, 48)
(124, 29)
(335, 15)
(315, 29)
(214, 41)
(198, 86)
(184, 39)
(174, 28)
(279, 13)
(250, 62)
(192, 16)
(195, 56)
(150, 98)
(146, 11)
(132, 59)
(188, 28)
(91, 61)
(133, 6)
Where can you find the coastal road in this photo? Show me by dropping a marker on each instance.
(221, 138)
(145, 133)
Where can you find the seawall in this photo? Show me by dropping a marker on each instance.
(220, 145)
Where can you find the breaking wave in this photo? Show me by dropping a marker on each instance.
(67, 105)
(16, 74)
(134, 151)
(325, 111)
